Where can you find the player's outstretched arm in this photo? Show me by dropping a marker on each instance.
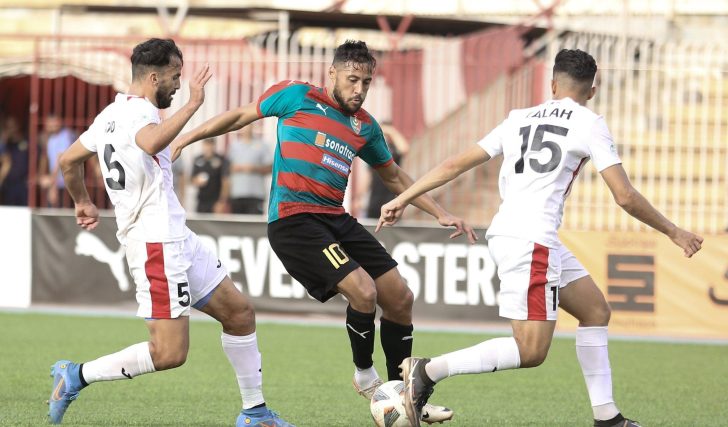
(637, 206)
(71, 164)
(228, 121)
(413, 193)
(154, 138)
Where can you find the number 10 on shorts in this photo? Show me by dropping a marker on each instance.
(336, 255)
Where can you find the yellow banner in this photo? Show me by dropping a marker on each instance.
(652, 288)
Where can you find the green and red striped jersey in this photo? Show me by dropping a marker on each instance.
(316, 143)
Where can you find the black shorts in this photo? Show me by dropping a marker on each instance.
(320, 250)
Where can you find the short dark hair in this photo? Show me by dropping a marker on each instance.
(153, 53)
(577, 64)
(356, 52)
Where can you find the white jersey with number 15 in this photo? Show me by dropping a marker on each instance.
(139, 185)
(544, 148)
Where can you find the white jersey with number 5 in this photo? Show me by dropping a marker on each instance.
(544, 148)
(139, 185)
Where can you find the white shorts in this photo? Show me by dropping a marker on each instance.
(172, 276)
(530, 277)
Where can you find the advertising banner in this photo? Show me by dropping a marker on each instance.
(450, 279)
(15, 258)
(652, 288)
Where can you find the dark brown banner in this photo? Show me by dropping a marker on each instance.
(450, 278)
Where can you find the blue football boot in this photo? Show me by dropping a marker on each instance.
(66, 385)
(261, 417)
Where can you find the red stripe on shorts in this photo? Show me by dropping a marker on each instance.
(537, 283)
(158, 285)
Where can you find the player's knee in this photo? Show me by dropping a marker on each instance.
(403, 304)
(240, 319)
(604, 314)
(167, 358)
(533, 358)
(531, 352)
(598, 315)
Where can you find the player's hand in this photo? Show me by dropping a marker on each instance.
(448, 220)
(197, 85)
(391, 212)
(178, 145)
(689, 242)
(87, 215)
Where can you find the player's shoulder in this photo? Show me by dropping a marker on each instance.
(296, 86)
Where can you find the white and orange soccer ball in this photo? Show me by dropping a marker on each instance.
(387, 405)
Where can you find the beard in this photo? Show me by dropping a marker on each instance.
(344, 106)
(163, 100)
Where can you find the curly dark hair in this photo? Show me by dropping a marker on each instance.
(577, 64)
(153, 53)
(356, 52)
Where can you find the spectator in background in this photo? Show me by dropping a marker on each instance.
(14, 169)
(250, 162)
(379, 194)
(58, 139)
(210, 176)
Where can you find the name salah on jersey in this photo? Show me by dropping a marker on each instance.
(555, 112)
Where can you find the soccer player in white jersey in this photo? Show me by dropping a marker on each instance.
(172, 269)
(543, 149)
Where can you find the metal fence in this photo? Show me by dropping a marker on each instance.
(664, 103)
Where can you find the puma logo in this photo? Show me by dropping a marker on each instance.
(123, 372)
(361, 334)
(322, 108)
(89, 245)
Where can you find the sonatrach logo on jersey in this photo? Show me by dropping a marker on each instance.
(320, 140)
(355, 124)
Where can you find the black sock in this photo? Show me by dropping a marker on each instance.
(396, 343)
(360, 327)
(609, 423)
(80, 376)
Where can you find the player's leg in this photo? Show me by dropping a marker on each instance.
(213, 292)
(358, 288)
(393, 295)
(582, 299)
(160, 282)
(529, 276)
(396, 330)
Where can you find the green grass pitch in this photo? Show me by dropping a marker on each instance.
(307, 379)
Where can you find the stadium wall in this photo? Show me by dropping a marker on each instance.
(652, 289)
(15, 260)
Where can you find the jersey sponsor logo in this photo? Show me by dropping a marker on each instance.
(355, 124)
(320, 140)
(335, 163)
(88, 244)
(341, 149)
(110, 127)
(321, 107)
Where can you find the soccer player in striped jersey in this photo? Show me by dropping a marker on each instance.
(543, 149)
(320, 130)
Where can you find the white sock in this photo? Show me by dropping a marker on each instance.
(125, 364)
(593, 356)
(365, 378)
(243, 354)
(495, 354)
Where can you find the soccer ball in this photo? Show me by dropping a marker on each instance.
(387, 405)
